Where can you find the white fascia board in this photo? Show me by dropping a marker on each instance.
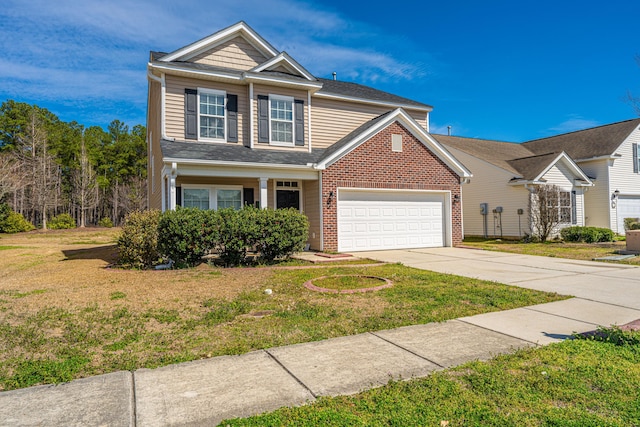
(237, 171)
(285, 58)
(172, 69)
(222, 36)
(607, 157)
(572, 165)
(253, 77)
(237, 164)
(372, 102)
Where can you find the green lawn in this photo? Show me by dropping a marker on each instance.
(579, 251)
(573, 383)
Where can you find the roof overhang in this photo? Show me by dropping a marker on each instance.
(240, 29)
(414, 128)
(285, 60)
(426, 109)
(568, 161)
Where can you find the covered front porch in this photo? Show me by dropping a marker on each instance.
(219, 187)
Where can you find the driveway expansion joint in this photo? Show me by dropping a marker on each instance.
(134, 415)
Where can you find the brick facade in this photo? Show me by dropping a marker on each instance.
(374, 165)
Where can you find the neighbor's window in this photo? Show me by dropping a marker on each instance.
(281, 119)
(211, 115)
(564, 206)
(195, 198)
(229, 199)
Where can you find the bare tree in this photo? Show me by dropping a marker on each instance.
(85, 186)
(544, 210)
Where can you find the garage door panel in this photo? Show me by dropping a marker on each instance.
(627, 207)
(370, 220)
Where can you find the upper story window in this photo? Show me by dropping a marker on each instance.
(211, 115)
(281, 119)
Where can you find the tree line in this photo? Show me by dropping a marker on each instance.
(49, 167)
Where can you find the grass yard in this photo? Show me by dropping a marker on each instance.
(64, 315)
(573, 383)
(580, 251)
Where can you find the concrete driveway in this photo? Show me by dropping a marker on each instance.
(609, 283)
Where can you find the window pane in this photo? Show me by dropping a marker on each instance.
(195, 198)
(212, 105)
(229, 199)
(211, 127)
(281, 131)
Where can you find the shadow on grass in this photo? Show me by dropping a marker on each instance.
(108, 253)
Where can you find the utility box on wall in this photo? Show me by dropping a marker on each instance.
(633, 240)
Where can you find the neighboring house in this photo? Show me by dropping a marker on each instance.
(504, 174)
(609, 154)
(597, 168)
(232, 121)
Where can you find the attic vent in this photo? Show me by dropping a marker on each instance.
(396, 143)
(335, 75)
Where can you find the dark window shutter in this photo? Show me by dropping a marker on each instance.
(178, 196)
(263, 118)
(299, 121)
(247, 194)
(635, 158)
(232, 118)
(191, 114)
(574, 208)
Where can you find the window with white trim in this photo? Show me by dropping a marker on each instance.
(563, 204)
(212, 197)
(281, 119)
(211, 115)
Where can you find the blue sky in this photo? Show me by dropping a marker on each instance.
(503, 70)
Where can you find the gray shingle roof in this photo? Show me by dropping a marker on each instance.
(495, 152)
(531, 167)
(588, 143)
(355, 90)
(235, 153)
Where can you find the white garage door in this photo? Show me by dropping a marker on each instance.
(371, 220)
(628, 207)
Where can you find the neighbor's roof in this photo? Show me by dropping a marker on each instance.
(497, 153)
(531, 167)
(588, 143)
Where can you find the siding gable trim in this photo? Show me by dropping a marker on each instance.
(285, 60)
(239, 29)
(586, 182)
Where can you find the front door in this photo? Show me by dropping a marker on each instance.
(288, 199)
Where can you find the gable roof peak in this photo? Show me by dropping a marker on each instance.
(285, 60)
(240, 28)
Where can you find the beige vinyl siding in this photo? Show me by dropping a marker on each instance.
(597, 199)
(236, 53)
(621, 175)
(489, 184)
(154, 133)
(333, 119)
(561, 176)
(175, 104)
(311, 203)
(273, 90)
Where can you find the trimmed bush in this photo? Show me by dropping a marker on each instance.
(187, 234)
(138, 242)
(587, 234)
(281, 233)
(632, 224)
(14, 222)
(106, 222)
(237, 234)
(62, 222)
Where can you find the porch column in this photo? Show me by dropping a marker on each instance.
(263, 192)
(172, 186)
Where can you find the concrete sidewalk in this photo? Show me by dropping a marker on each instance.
(208, 391)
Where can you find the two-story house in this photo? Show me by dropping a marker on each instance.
(232, 121)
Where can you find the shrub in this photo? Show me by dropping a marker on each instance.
(587, 234)
(281, 233)
(5, 210)
(187, 234)
(138, 242)
(62, 222)
(632, 224)
(237, 234)
(105, 222)
(14, 222)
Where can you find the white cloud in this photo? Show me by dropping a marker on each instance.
(574, 123)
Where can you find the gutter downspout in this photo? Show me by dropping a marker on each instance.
(163, 90)
(309, 118)
(251, 115)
